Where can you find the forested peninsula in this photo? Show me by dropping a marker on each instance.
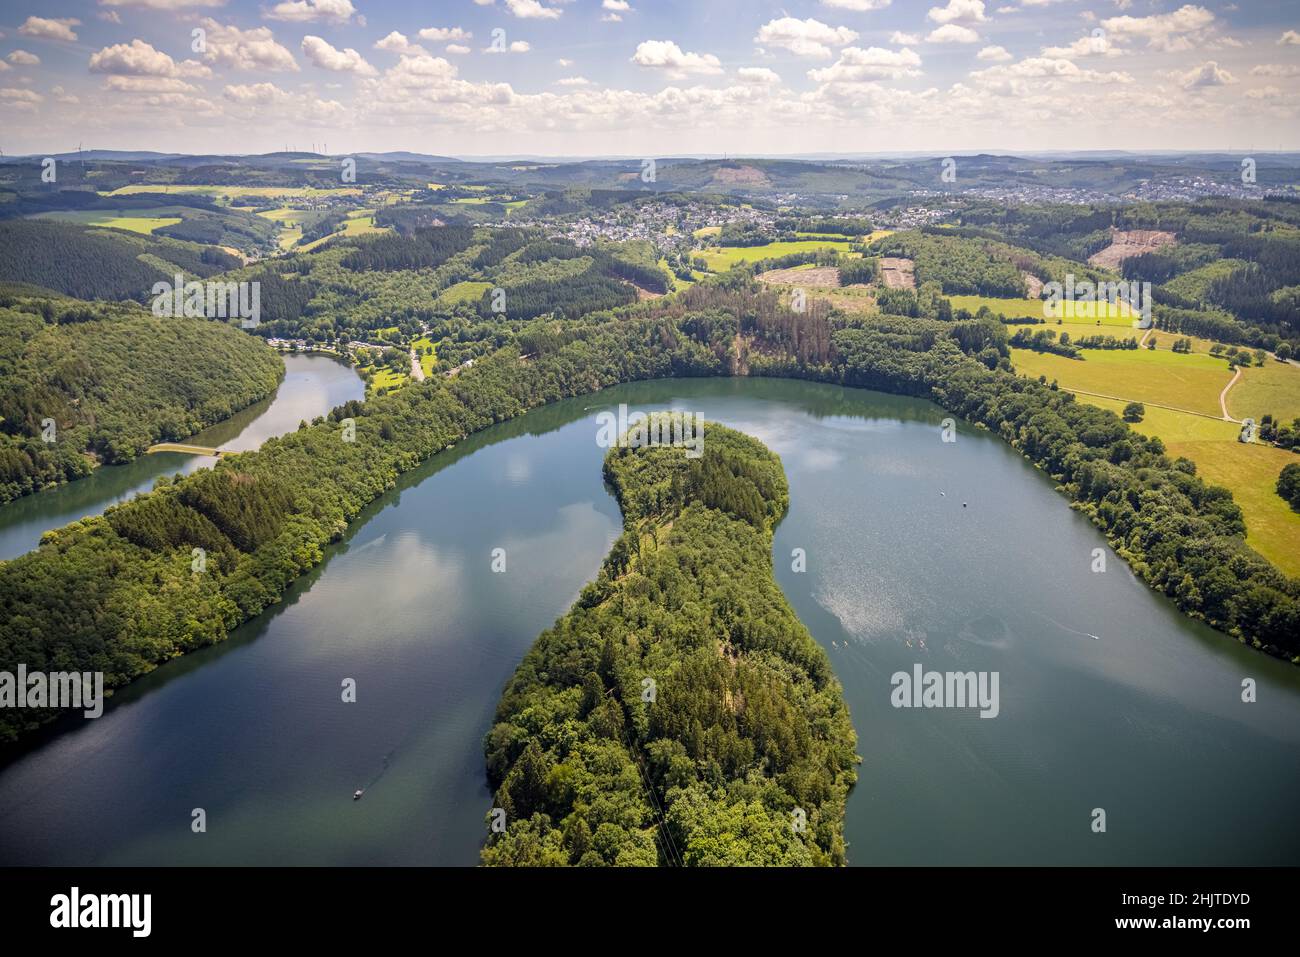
(116, 593)
(680, 714)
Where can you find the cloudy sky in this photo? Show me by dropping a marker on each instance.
(648, 77)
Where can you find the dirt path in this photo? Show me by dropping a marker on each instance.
(417, 370)
(1145, 336)
(1223, 397)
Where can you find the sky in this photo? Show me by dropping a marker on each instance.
(645, 78)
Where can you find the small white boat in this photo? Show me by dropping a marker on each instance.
(356, 795)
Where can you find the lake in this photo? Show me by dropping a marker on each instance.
(312, 386)
(955, 556)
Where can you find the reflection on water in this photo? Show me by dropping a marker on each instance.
(1146, 721)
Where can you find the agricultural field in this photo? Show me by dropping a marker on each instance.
(1249, 471)
(1188, 382)
(110, 219)
(290, 221)
(1091, 318)
(722, 258)
(1273, 388)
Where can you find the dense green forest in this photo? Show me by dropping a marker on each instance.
(680, 714)
(114, 379)
(93, 263)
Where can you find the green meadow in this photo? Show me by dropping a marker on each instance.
(722, 258)
(1191, 382)
(1248, 471)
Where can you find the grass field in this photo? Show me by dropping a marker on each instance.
(1273, 388)
(463, 292)
(722, 258)
(110, 219)
(1248, 471)
(385, 378)
(426, 362)
(1191, 382)
(1081, 314)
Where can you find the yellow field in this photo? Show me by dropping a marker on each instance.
(110, 220)
(722, 258)
(1191, 382)
(285, 214)
(1248, 471)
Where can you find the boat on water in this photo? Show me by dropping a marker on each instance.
(356, 795)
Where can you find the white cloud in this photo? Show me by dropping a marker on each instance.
(875, 63)
(23, 100)
(667, 55)
(109, 16)
(322, 54)
(254, 49)
(573, 81)
(1206, 75)
(1265, 93)
(148, 84)
(516, 46)
(617, 6)
(562, 61)
(532, 10)
(138, 58)
(1094, 45)
(459, 49)
(995, 54)
(757, 74)
(1290, 38)
(857, 6)
(153, 5)
(952, 33)
(959, 11)
(443, 34)
(810, 38)
(60, 29)
(306, 11)
(23, 58)
(1018, 79)
(1169, 32)
(400, 44)
(1275, 69)
(904, 39)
